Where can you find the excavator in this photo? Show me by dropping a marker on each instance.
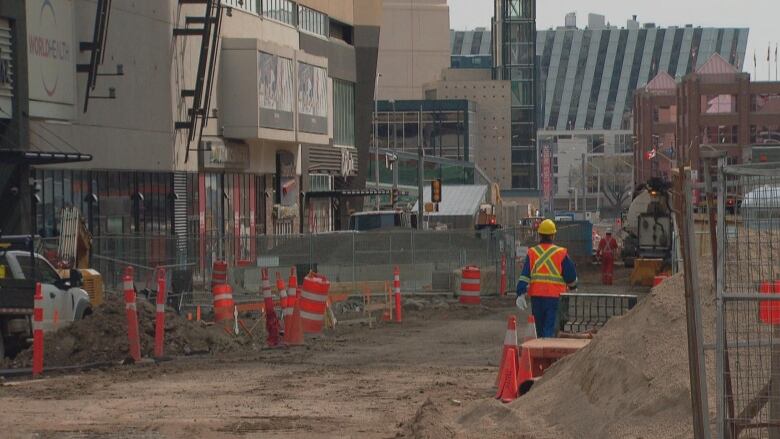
(73, 251)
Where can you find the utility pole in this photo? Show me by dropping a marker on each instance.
(376, 136)
(420, 171)
(584, 184)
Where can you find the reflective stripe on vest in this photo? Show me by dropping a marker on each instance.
(546, 279)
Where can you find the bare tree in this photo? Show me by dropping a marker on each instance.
(615, 174)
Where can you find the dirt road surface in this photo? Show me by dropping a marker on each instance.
(353, 382)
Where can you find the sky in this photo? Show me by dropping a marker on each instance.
(760, 16)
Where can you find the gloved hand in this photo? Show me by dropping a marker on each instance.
(573, 288)
(521, 303)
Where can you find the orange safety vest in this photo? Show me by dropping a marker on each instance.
(546, 261)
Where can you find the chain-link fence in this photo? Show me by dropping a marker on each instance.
(748, 319)
(429, 261)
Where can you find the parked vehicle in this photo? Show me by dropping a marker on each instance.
(63, 299)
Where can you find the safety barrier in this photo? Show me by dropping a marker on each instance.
(131, 311)
(314, 300)
(470, 286)
(159, 323)
(223, 302)
(397, 294)
(37, 325)
(586, 312)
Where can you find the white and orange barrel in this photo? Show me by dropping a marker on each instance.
(37, 325)
(218, 274)
(314, 302)
(223, 302)
(470, 285)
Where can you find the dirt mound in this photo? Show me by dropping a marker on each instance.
(102, 337)
(426, 424)
(632, 381)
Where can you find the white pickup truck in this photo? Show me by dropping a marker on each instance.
(63, 300)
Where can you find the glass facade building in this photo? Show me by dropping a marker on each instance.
(514, 59)
(448, 127)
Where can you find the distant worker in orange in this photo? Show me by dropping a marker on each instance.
(547, 273)
(606, 254)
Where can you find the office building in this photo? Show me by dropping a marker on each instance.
(514, 60)
(491, 118)
(215, 123)
(413, 47)
(471, 49)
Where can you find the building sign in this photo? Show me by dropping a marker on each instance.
(312, 99)
(218, 155)
(6, 71)
(547, 178)
(275, 91)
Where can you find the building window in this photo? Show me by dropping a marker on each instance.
(343, 113)
(524, 176)
(720, 135)
(765, 103)
(341, 31)
(247, 5)
(514, 9)
(624, 143)
(765, 135)
(714, 104)
(312, 21)
(280, 10)
(667, 114)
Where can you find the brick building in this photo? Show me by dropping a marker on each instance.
(716, 106)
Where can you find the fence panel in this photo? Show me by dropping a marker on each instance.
(749, 318)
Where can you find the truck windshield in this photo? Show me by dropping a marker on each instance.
(43, 271)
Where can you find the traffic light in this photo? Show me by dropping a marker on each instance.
(436, 191)
(394, 195)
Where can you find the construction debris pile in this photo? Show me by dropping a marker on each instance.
(631, 381)
(102, 337)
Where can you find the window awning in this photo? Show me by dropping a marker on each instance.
(20, 157)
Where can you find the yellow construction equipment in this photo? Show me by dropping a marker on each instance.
(73, 248)
(645, 271)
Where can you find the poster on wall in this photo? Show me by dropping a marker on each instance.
(275, 91)
(51, 57)
(312, 99)
(6, 71)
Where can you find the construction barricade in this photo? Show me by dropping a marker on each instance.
(223, 302)
(470, 285)
(159, 323)
(131, 310)
(397, 294)
(314, 302)
(219, 274)
(37, 326)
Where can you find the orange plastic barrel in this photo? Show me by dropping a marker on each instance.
(223, 302)
(218, 274)
(313, 303)
(470, 285)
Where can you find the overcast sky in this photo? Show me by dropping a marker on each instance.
(762, 17)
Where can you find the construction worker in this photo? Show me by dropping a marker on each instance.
(547, 272)
(606, 254)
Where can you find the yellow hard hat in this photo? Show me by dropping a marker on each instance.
(547, 227)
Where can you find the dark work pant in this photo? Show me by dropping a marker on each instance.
(545, 311)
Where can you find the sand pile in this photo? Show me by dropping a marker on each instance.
(102, 337)
(632, 381)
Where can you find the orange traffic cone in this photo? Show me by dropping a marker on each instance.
(510, 341)
(525, 374)
(294, 334)
(508, 385)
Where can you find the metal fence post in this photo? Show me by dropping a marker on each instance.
(720, 342)
(354, 268)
